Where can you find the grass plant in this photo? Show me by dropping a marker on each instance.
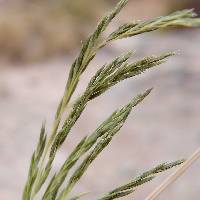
(55, 187)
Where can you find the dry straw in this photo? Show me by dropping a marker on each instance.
(48, 186)
(173, 177)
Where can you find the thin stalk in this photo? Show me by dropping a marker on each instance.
(56, 123)
(173, 177)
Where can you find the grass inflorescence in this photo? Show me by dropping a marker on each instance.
(56, 187)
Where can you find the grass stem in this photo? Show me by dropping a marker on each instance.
(173, 177)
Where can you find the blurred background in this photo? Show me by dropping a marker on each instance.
(38, 42)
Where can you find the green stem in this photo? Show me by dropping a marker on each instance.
(66, 98)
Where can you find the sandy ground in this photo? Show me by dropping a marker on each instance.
(164, 128)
